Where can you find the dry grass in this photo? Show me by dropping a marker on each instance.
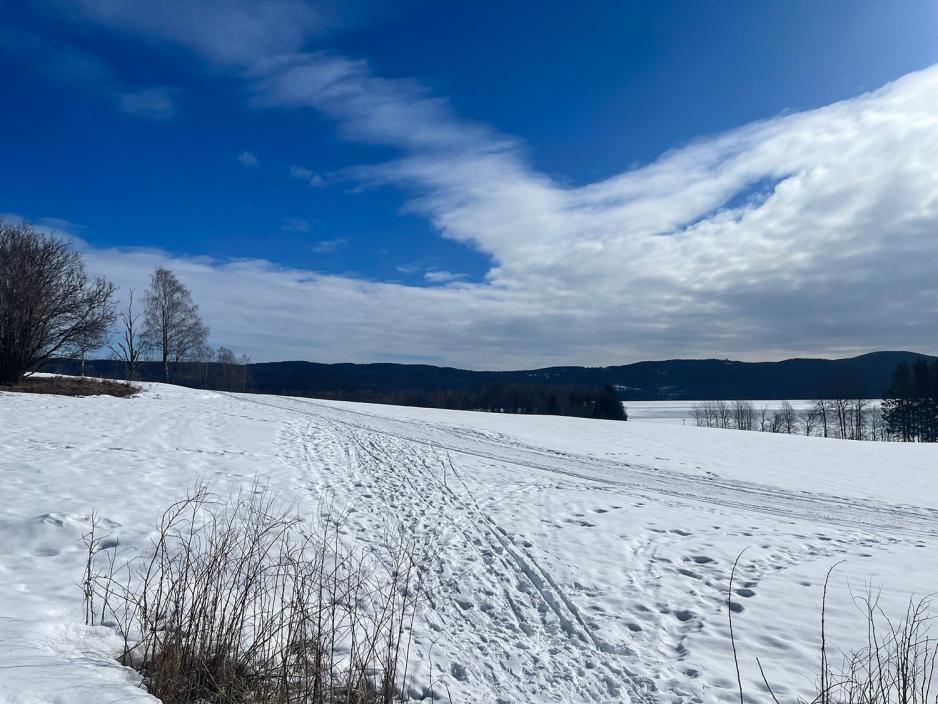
(242, 600)
(896, 665)
(72, 386)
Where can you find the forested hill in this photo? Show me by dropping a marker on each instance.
(681, 379)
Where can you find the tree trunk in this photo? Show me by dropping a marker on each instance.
(11, 373)
(165, 357)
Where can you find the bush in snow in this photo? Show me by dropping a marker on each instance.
(241, 600)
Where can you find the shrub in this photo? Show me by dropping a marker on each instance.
(895, 666)
(73, 386)
(240, 600)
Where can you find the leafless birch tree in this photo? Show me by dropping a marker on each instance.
(173, 325)
(821, 411)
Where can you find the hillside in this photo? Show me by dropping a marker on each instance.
(865, 376)
(573, 560)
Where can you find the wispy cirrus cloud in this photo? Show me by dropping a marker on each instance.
(157, 103)
(70, 64)
(441, 276)
(329, 246)
(228, 32)
(296, 225)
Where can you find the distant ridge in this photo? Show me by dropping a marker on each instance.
(864, 376)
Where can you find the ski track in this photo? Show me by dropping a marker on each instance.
(514, 599)
(640, 479)
(552, 576)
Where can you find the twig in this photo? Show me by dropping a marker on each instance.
(729, 609)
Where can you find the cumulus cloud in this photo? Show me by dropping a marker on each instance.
(841, 237)
(813, 232)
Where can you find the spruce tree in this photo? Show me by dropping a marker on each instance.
(897, 404)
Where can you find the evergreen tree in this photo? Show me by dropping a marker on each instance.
(897, 404)
(924, 409)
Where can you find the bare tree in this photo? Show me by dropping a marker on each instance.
(205, 357)
(821, 409)
(88, 342)
(808, 419)
(723, 413)
(243, 362)
(777, 423)
(876, 425)
(227, 361)
(700, 414)
(858, 413)
(173, 325)
(48, 304)
(840, 407)
(128, 345)
(789, 418)
(763, 418)
(744, 414)
(233, 369)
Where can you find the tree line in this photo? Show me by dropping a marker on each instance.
(50, 308)
(849, 419)
(908, 412)
(526, 399)
(54, 315)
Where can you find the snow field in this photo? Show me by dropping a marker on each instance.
(575, 560)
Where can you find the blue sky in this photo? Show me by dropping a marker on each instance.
(506, 157)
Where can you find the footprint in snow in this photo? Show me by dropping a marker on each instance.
(585, 524)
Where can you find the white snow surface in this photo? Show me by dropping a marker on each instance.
(579, 560)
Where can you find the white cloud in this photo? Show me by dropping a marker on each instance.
(248, 160)
(64, 62)
(150, 102)
(367, 108)
(843, 240)
(838, 255)
(441, 276)
(296, 225)
(329, 246)
(304, 174)
(233, 32)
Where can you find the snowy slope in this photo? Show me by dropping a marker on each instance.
(579, 561)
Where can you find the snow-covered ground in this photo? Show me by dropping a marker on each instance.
(579, 560)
